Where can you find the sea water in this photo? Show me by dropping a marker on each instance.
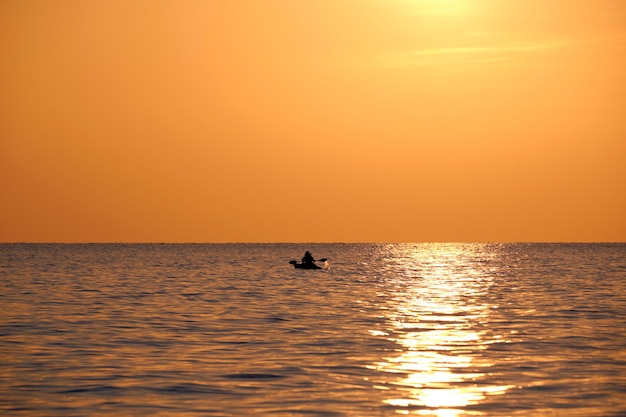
(390, 329)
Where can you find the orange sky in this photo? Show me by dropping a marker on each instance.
(325, 120)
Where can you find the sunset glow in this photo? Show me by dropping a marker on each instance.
(294, 120)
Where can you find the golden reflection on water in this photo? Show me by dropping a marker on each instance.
(438, 319)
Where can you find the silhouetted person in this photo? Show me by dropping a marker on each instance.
(308, 259)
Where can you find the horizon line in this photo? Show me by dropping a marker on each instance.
(312, 242)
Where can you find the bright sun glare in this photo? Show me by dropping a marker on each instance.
(439, 7)
(440, 366)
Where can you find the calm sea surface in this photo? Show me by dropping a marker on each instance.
(390, 329)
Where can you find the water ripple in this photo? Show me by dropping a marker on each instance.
(426, 329)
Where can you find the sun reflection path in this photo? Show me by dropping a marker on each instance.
(438, 320)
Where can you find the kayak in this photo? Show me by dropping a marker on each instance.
(310, 266)
(306, 266)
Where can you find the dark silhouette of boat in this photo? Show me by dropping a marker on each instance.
(307, 265)
(304, 266)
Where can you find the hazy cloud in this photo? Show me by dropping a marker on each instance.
(485, 49)
(478, 49)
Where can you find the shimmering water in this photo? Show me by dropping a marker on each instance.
(425, 329)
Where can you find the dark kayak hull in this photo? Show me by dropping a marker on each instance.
(306, 266)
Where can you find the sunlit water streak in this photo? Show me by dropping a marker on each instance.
(427, 329)
(437, 322)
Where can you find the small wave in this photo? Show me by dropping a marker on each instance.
(95, 389)
(255, 376)
(276, 318)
